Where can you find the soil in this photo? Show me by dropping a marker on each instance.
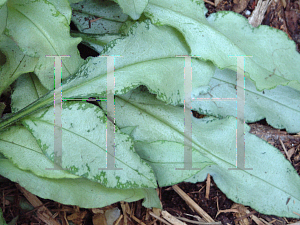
(13, 202)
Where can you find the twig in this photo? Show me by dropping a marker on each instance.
(119, 219)
(90, 21)
(197, 217)
(191, 203)
(137, 220)
(158, 218)
(197, 222)
(243, 217)
(296, 213)
(207, 186)
(124, 212)
(209, 2)
(171, 218)
(287, 155)
(297, 223)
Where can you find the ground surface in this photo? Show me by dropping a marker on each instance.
(14, 203)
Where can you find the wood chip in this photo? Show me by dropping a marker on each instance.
(292, 17)
(258, 14)
(77, 217)
(123, 206)
(240, 5)
(290, 152)
(275, 17)
(157, 211)
(97, 210)
(99, 219)
(217, 2)
(283, 3)
(257, 220)
(43, 212)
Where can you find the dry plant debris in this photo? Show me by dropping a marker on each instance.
(284, 15)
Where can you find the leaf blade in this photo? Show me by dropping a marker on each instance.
(80, 192)
(280, 106)
(133, 8)
(49, 38)
(267, 45)
(215, 139)
(84, 146)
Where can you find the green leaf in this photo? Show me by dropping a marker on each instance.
(81, 192)
(2, 59)
(151, 199)
(84, 146)
(165, 156)
(268, 195)
(19, 146)
(13, 221)
(152, 64)
(2, 156)
(266, 187)
(280, 106)
(16, 63)
(95, 41)
(2, 107)
(225, 34)
(149, 127)
(28, 24)
(74, 1)
(110, 14)
(29, 84)
(3, 16)
(2, 221)
(134, 8)
(2, 2)
(63, 6)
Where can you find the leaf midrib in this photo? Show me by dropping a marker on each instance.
(41, 31)
(263, 96)
(208, 152)
(49, 96)
(104, 150)
(221, 34)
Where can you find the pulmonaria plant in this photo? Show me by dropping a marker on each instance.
(149, 99)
